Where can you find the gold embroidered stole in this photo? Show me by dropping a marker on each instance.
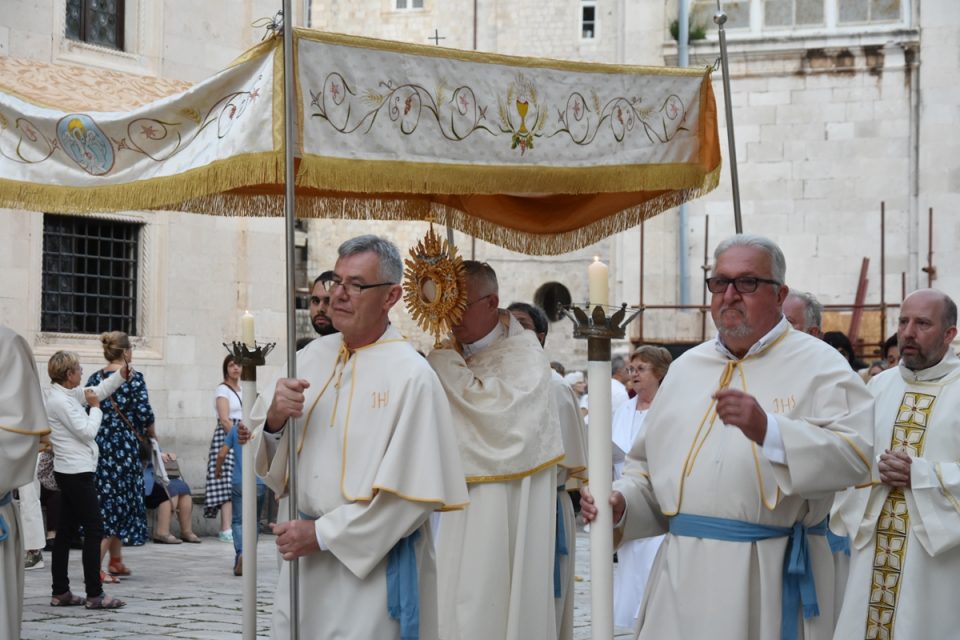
(890, 549)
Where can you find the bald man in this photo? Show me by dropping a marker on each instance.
(905, 525)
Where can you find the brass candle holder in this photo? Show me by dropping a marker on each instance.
(597, 328)
(249, 359)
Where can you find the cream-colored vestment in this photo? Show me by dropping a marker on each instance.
(376, 457)
(495, 558)
(634, 557)
(905, 563)
(687, 461)
(573, 468)
(22, 422)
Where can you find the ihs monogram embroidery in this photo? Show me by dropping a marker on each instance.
(782, 405)
(380, 400)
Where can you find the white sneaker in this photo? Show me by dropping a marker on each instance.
(33, 560)
(225, 536)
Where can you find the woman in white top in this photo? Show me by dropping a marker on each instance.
(229, 408)
(648, 366)
(75, 455)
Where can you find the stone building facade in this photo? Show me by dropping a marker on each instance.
(836, 111)
(838, 107)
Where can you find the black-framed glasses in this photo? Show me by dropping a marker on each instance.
(743, 284)
(355, 288)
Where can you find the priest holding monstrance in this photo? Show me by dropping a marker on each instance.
(375, 458)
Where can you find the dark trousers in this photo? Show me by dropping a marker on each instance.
(79, 505)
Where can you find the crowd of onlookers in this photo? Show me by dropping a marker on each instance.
(101, 468)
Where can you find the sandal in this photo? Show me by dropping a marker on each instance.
(106, 578)
(66, 600)
(167, 538)
(191, 537)
(117, 568)
(103, 601)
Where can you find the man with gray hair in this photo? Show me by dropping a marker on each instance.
(747, 441)
(905, 524)
(618, 380)
(804, 312)
(373, 408)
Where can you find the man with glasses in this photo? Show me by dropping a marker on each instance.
(320, 305)
(375, 458)
(495, 559)
(747, 441)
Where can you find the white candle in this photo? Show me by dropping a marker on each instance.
(599, 289)
(246, 330)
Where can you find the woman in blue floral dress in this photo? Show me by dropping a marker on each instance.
(120, 469)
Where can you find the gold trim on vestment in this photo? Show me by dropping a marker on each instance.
(726, 376)
(943, 487)
(514, 476)
(442, 506)
(893, 524)
(24, 432)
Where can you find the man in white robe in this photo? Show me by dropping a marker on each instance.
(805, 313)
(496, 557)
(745, 444)
(375, 457)
(905, 525)
(22, 421)
(573, 468)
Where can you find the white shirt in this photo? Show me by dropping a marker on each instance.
(73, 432)
(233, 399)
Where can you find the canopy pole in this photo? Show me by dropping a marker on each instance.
(289, 138)
(720, 18)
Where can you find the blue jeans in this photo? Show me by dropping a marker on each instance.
(236, 524)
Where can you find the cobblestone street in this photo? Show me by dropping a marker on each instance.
(189, 591)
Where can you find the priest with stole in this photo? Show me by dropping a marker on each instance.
(375, 457)
(496, 557)
(746, 443)
(905, 525)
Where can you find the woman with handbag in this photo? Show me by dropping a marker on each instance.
(229, 408)
(123, 440)
(73, 434)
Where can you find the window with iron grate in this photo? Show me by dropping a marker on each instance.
(90, 275)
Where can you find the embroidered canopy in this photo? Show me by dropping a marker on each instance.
(540, 156)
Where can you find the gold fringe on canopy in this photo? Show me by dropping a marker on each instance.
(503, 155)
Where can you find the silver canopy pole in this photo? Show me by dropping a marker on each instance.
(289, 139)
(720, 18)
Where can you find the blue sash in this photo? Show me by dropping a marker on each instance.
(403, 586)
(5, 499)
(799, 589)
(560, 548)
(838, 543)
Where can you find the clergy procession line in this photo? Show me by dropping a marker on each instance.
(775, 494)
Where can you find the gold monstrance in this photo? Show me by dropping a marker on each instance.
(435, 290)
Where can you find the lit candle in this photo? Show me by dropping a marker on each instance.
(599, 290)
(246, 330)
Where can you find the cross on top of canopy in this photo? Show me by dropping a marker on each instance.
(539, 156)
